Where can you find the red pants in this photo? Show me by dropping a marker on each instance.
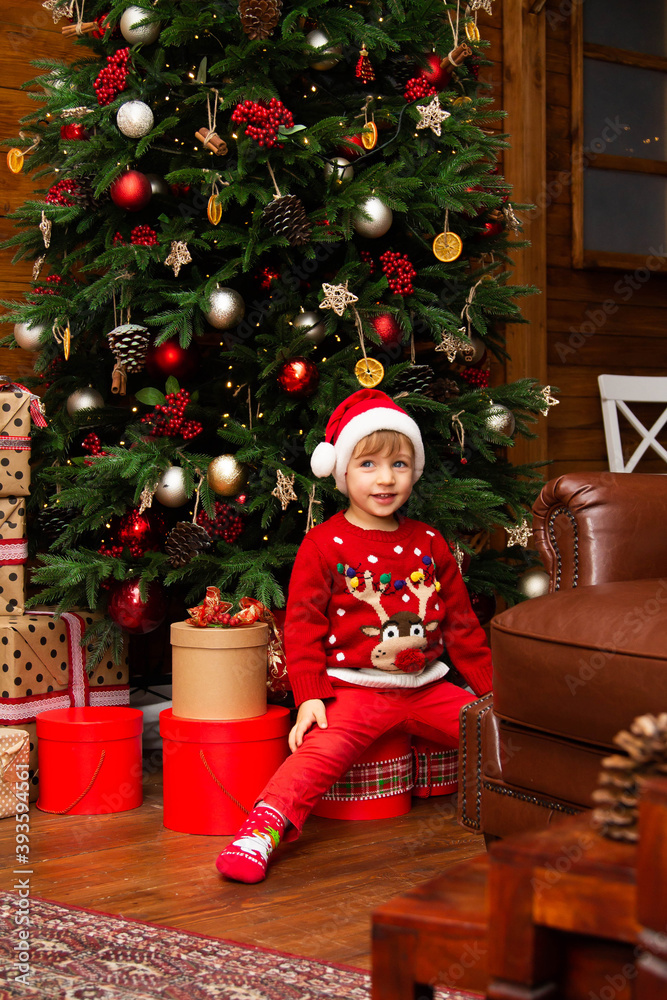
(356, 719)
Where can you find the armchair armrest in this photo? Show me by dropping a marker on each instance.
(601, 527)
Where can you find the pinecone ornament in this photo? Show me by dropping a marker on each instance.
(259, 18)
(442, 390)
(185, 541)
(286, 216)
(622, 777)
(401, 70)
(129, 344)
(52, 521)
(417, 378)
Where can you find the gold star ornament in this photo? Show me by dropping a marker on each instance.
(337, 297)
(432, 116)
(549, 400)
(179, 256)
(520, 534)
(284, 490)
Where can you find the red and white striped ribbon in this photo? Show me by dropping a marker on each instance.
(13, 551)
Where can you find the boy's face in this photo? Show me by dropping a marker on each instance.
(379, 483)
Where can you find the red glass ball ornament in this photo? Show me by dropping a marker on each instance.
(170, 358)
(387, 329)
(133, 614)
(73, 130)
(435, 73)
(140, 532)
(299, 377)
(484, 606)
(351, 146)
(492, 228)
(131, 191)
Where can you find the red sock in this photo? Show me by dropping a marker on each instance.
(247, 857)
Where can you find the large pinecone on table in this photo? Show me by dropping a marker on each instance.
(622, 776)
(259, 18)
(185, 541)
(286, 216)
(129, 343)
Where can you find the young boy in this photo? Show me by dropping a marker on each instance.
(374, 600)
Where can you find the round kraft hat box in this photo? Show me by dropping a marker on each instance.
(89, 760)
(214, 770)
(219, 673)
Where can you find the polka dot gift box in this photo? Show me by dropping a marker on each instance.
(18, 408)
(13, 553)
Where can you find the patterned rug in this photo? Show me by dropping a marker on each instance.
(73, 954)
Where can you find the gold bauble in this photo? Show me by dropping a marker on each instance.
(534, 582)
(226, 475)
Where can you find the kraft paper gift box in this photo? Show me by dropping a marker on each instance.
(15, 422)
(43, 666)
(13, 553)
(30, 729)
(14, 754)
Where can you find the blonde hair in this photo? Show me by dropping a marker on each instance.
(383, 442)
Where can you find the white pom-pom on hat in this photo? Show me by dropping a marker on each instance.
(323, 460)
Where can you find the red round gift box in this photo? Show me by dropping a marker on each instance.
(390, 752)
(89, 760)
(214, 770)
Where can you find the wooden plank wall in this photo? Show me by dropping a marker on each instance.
(27, 32)
(584, 341)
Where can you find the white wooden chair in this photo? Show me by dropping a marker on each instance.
(615, 393)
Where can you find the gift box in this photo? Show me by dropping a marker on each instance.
(12, 522)
(89, 760)
(436, 768)
(30, 729)
(219, 673)
(14, 783)
(214, 771)
(377, 786)
(15, 421)
(43, 667)
(150, 703)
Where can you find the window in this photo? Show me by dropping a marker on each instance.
(619, 132)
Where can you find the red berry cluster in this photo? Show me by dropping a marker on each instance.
(73, 130)
(418, 87)
(92, 444)
(478, 378)
(225, 524)
(119, 239)
(53, 279)
(367, 258)
(65, 192)
(143, 236)
(167, 418)
(115, 551)
(399, 271)
(269, 276)
(112, 78)
(263, 120)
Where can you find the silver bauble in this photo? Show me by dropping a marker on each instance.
(134, 119)
(140, 35)
(342, 168)
(500, 420)
(331, 55)
(534, 582)
(84, 399)
(474, 353)
(312, 326)
(381, 218)
(158, 184)
(27, 336)
(227, 308)
(170, 491)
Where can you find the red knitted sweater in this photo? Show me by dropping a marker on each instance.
(388, 603)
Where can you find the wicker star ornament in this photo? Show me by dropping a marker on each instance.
(337, 297)
(432, 116)
(178, 256)
(284, 489)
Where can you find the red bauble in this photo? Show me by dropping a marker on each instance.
(170, 358)
(141, 532)
(484, 606)
(492, 228)
(352, 146)
(130, 612)
(435, 73)
(299, 377)
(74, 130)
(131, 191)
(387, 329)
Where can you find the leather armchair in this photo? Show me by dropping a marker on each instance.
(574, 667)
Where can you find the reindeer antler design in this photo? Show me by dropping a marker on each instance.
(368, 595)
(422, 586)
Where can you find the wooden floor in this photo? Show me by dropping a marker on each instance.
(316, 901)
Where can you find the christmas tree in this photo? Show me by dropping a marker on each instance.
(245, 211)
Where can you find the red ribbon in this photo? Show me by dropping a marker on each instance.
(36, 405)
(212, 609)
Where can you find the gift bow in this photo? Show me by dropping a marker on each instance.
(36, 405)
(212, 608)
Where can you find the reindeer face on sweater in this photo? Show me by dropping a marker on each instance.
(402, 636)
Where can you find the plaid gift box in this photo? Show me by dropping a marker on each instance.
(436, 769)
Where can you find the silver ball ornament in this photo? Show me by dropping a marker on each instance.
(227, 308)
(27, 336)
(158, 184)
(381, 218)
(500, 420)
(134, 119)
(170, 490)
(341, 168)
(143, 35)
(331, 55)
(86, 398)
(312, 326)
(534, 582)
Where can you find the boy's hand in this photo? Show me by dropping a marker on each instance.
(310, 711)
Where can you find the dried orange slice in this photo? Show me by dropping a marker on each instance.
(15, 160)
(369, 135)
(214, 210)
(472, 32)
(369, 372)
(447, 246)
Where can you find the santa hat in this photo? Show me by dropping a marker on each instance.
(359, 415)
